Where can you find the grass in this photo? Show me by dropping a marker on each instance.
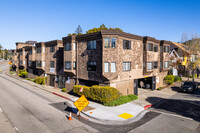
(33, 80)
(122, 100)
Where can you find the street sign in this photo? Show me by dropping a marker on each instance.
(81, 103)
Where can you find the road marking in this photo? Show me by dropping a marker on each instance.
(1, 110)
(172, 114)
(16, 129)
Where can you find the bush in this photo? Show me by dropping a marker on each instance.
(33, 80)
(177, 78)
(63, 89)
(40, 80)
(23, 73)
(102, 94)
(195, 76)
(122, 100)
(169, 79)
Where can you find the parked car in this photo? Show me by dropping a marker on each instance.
(189, 86)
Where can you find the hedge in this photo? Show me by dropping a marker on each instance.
(102, 94)
(177, 78)
(170, 79)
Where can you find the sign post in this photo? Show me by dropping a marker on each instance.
(80, 104)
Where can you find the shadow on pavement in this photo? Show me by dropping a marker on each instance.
(186, 108)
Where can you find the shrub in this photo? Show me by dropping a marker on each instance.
(23, 73)
(195, 76)
(169, 79)
(177, 78)
(33, 80)
(102, 94)
(40, 80)
(63, 89)
(122, 100)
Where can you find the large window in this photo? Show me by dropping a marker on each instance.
(106, 42)
(52, 64)
(155, 49)
(166, 49)
(106, 67)
(30, 52)
(52, 48)
(150, 47)
(67, 46)
(68, 65)
(155, 64)
(74, 65)
(113, 67)
(38, 63)
(91, 44)
(91, 66)
(149, 65)
(113, 42)
(38, 49)
(126, 66)
(126, 44)
(166, 64)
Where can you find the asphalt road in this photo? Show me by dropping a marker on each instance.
(32, 110)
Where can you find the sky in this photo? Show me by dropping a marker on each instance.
(46, 20)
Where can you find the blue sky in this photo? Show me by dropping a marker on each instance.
(45, 20)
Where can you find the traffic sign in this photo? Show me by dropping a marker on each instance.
(0, 70)
(81, 103)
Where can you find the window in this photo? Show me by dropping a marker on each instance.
(166, 49)
(113, 42)
(91, 44)
(52, 64)
(52, 48)
(43, 63)
(150, 47)
(161, 65)
(91, 66)
(74, 65)
(106, 42)
(38, 63)
(20, 62)
(24, 52)
(155, 64)
(24, 62)
(74, 46)
(166, 64)
(67, 46)
(155, 48)
(68, 65)
(29, 62)
(126, 44)
(38, 49)
(149, 65)
(113, 67)
(126, 66)
(30, 52)
(106, 67)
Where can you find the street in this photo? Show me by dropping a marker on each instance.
(32, 110)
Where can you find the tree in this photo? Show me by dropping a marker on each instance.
(193, 45)
(79, 29)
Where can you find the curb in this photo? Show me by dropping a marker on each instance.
(62, 96)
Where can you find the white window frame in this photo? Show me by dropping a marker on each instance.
(43, 49)
(149, 65)
(166, 64)
(113, 67)
(43, 63)
(74, 46)
(106, 67)
(127, 66)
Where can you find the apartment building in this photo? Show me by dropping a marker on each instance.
(53, 63)
(117, 59)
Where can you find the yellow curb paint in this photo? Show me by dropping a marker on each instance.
(125, 115)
